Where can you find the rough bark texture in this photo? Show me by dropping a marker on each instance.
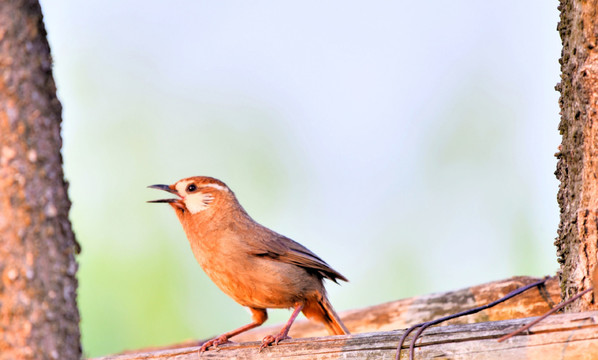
(38, 310)
(577, 167)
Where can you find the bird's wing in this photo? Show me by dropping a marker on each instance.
(283, 249)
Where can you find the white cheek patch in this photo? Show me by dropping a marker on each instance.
(198, 202)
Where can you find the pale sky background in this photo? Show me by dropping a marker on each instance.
(408, 144)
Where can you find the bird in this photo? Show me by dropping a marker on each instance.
(257, 267)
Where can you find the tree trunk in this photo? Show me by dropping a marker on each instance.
(577, 167)
(38, 310)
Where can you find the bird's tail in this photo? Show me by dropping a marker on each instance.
(322, 311)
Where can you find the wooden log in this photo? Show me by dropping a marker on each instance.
(566, 336)
(406, 312)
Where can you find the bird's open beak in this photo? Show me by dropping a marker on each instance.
(165, 188)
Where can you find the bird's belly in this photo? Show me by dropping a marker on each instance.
(260, 282)
(250, 280)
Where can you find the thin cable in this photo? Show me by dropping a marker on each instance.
(553, 310)
(462, 313)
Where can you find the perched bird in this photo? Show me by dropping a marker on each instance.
(252, 264)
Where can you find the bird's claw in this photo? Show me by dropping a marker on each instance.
(273, 339)
(214, 343)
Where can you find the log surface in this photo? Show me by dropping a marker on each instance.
(566, 336)
(407, 312)
(378, 324)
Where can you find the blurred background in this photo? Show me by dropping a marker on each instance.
(409, 144)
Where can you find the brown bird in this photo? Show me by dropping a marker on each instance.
(252, 264)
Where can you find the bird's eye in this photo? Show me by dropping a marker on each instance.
(191, 188)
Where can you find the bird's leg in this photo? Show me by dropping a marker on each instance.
(284, 332)
(259, 316)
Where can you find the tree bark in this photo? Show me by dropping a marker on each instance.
(577, 167)
(38, 310)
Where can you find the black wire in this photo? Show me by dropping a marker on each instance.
(425, 325)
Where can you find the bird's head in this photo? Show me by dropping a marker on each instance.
(196, 195)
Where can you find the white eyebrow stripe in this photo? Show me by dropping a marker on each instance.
(215, 186)
(182, 186)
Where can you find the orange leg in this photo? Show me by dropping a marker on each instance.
(284, 332)
(259, 316)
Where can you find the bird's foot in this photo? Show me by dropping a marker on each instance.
(273, 339)
(222, 339)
